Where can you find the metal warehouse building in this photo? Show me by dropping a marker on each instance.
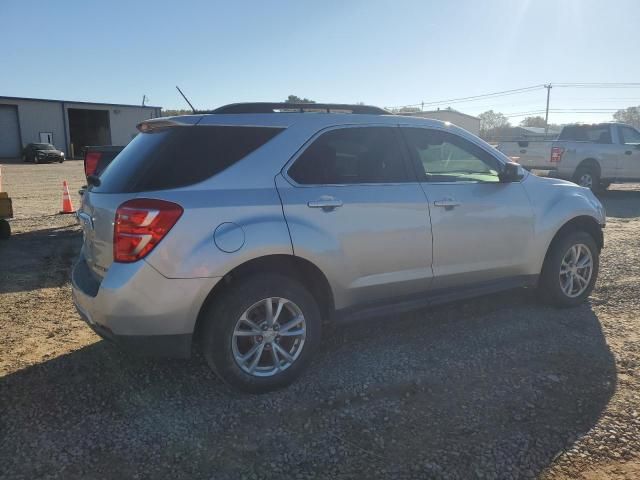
(66, 124)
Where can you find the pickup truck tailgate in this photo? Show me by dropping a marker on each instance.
(531, 155)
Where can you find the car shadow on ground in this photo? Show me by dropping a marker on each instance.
(621, 203)
(498, 386)
(38, 258)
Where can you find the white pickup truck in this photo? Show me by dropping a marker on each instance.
(592, 156)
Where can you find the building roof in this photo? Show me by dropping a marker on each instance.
(451, 110)
(423, 113)
(75, 101)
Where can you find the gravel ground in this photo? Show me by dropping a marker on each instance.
(499, 387)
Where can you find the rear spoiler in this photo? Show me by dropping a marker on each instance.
(158, 123)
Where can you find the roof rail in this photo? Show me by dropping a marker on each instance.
(268, 107)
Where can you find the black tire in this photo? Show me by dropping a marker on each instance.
(549, 285)
(24, 158)
(60, 161)
(5, 229)
(35, 159)
(588, 176)
(222, 315)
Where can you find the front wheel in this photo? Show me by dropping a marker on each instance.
(261, 334)
(570, 270)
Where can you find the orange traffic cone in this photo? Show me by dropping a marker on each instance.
(67, 206)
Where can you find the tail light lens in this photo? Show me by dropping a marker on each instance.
(556, 154)
(91, 160)
(140, 225)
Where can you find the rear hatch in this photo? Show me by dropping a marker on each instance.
(166, 155)
(96, 217)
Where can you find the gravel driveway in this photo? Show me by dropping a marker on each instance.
(499, 387)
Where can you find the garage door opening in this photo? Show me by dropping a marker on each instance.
(9, 132)
(88, 127)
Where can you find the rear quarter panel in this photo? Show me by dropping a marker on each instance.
(254, 226)
(577, 152)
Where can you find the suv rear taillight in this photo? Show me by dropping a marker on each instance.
(140, 225)
(91, 160)
(556, 154)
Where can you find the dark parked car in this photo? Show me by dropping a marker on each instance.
(42, 152)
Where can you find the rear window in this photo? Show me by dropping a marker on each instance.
(179, 156)
(586, 133)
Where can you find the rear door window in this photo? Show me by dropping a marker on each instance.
(587, 133)
(179, 156)
(353, 155)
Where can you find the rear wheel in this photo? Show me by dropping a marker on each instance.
(261, 334)
(570, 270)
(588, 176)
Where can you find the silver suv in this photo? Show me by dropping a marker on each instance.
(246, 229)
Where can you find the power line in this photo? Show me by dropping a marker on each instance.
(610, 85)
(561, 111)
(475, 97)
(598, 85)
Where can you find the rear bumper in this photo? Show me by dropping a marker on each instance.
(169, 346)
(139, 309)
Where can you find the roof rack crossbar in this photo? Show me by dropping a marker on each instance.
(267, 107)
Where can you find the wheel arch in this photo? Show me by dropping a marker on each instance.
(304, 271)
(582, 223)
(587, 163)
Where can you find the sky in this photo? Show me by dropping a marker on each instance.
(385, 53)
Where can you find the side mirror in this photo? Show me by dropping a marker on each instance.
(510, 173)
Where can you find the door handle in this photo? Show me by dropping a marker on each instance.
(447, 203)
(326, 203)
(628, 152)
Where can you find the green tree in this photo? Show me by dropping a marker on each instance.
(629, 115)
(491, 121)
(174, 113)
(533, 122)
(296, 99)
(409, 110)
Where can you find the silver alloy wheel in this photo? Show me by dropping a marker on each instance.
(576, 270)
(586, 180)
(269, 337)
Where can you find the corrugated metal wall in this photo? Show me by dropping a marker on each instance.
(22, 120)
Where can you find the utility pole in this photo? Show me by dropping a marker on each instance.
(546, 115)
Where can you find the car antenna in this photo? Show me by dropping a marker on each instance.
(186, 99)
